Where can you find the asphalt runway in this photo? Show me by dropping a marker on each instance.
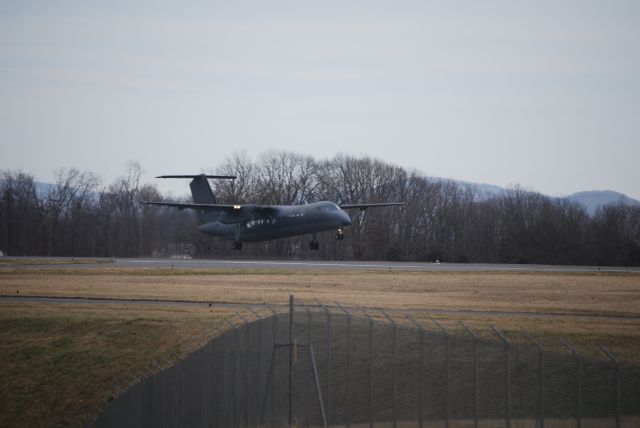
(315, 265)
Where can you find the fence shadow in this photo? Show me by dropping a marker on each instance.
(318, 365)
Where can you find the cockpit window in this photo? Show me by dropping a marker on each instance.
(329, 207)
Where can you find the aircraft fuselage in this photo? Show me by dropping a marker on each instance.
(283, 221)
(259, 222)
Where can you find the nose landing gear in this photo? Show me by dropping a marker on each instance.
(237, 245)
(339, 235)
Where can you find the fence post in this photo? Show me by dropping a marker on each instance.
(446, 371)
(395, 368)
(476, 382)
(420, 372)
(348, 364)
(507, 345)
(540, 379)
(328, 409)
(370, 358)
(616, 380)
(578, 381)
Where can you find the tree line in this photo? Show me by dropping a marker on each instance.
(79, 215)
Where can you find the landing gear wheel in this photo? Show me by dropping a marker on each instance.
(314, 245)
(237, 245)
(339, 235)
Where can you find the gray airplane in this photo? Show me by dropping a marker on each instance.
(252, 223)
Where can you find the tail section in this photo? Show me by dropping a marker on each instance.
(201, 191)
(202, 194)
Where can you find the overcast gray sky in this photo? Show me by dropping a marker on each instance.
(545, 94)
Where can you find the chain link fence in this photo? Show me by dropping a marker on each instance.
(325, 365)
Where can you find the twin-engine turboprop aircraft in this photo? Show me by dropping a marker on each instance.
(252, 223)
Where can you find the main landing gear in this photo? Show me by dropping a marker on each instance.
(314, 244)
(237, 244)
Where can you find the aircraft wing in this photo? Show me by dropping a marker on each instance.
(365, 206)
(206, 207)
(228, 213)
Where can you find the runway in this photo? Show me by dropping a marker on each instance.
(309, 265)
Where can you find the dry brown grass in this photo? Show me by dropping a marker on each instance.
(577, 306)
(588, 293)
(5, 261)
(621, 336)
(60, 360)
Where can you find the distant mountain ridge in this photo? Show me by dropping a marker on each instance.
(594, 199)
(591, 200)
(485, 191)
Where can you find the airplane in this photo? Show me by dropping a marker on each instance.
(253, 223)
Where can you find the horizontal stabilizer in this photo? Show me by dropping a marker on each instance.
(365, 206)
(222, 177)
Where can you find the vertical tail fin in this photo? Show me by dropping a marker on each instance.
(202, 194)
(201, 191)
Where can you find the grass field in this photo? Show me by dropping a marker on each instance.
(575, 293)
(60, 362)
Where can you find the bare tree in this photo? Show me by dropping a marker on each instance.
(243, 188)
(442, 219)
(60, 203)
(285, 178)
(20, 222)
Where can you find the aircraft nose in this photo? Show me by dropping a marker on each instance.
(345, 220)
